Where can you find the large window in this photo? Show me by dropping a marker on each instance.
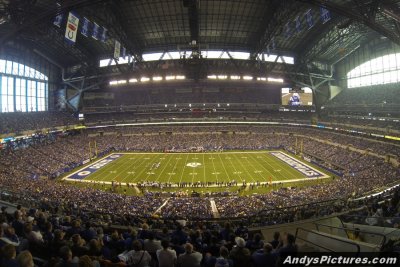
(381, 70)
(22, 88)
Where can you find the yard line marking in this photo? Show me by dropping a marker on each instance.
(286, 170)
(120, 170)
(141, 162)
(153, 171)
(270, 173)
(116, 170)
(129, 164)
(184, 166)
(193, 174)
(99, 175)
(145, 169)
(162, 171)
(102, 174)
(245, 168)
(257, 171)
(223, 165)
(288, 174)
(173, 170)
(204, 170)
(215, 171)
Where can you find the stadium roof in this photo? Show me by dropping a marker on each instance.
(280, 27)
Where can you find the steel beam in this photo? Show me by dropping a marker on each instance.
(355, 14)
(47, 15)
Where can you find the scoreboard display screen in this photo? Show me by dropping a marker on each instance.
(297, 97)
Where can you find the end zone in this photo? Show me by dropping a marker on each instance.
(92, 168)
(298, 165)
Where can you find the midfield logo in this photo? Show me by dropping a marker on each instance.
(193, 164)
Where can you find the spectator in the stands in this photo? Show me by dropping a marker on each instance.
(89, 232)
(264, 257)
(151, 245)
(221, 261)
(137, 257)
(226, 231)
(144, 232)
(25, 259)
(35, 238)
(9, 237)
(179, 235)
(275, 241)
(66, 258)
(58, 241)
(190, 258)
(164, 234)
(48, 235)
(287, 247)
(8, 255)
(18, 223)
(166, 256)
(255, 243)
(240, 254)
(78, 246)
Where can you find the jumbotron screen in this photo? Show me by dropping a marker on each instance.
(297, 97)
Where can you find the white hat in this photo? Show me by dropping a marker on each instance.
(30, 219)
(240, 242)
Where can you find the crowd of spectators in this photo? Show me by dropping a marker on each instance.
(57, 237)
(344, 139)
(72, 225)
(378, 95)
(18, 122)
(26, 167)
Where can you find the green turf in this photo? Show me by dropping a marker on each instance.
(207, 167)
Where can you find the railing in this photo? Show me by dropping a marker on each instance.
(320, 236)
(384, 224)
(320, 226)
(361, 219)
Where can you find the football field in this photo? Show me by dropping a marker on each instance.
(210, 168)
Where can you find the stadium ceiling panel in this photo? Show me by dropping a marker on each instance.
(280, 27)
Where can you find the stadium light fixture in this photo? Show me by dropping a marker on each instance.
(133, 80)
(144, 79)
(121, 81)
(212, 77)
(261, 79)
(247, 78)
(157, 78)
(222, 77)
(235, 77)
(168, 78)
(180, 77)
(113, 82)
(275, 80)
